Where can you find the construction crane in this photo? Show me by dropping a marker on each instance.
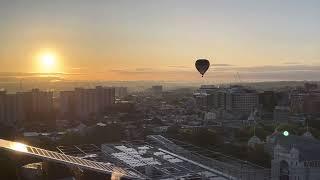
(239, 77)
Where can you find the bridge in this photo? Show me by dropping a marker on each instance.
(106, 168)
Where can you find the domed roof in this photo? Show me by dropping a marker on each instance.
(253, 141)
(308, 134)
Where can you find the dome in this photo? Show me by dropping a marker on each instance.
(253, 141)
(308, 134)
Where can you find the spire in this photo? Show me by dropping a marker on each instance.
(276, 129)
(307, 133)
(254, 139)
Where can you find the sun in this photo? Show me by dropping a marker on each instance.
(48, 62)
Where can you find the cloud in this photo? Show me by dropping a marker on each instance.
(273, 73)
(291, 63)
(180, 67)
(279, 68)
(78, 68)
(281, 75)
(221, 65)
(136, 70)
(24, 74)
(143, 69)
(259, 69)
(226, 73)
(223, 73)
(34, 74)
(127, 71)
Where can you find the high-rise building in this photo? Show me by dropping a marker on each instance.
(310, 86)
(2, 106)
(305, 102)
(201, 99)
(84, 103)
(241, 100)
(41, 101)
(121, 92)
(38, 106)
(268, 100)
(12, 108)
(281, 113)
(217, 99)
(105, 97)
(67, 104)
(236, 99)
(296, 102)
(208, 88)
(21, 106)
(311, 103)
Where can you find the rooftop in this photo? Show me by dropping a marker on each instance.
(308, 147)
(147, 159)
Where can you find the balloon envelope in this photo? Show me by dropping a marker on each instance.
(202, 66)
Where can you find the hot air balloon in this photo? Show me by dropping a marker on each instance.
(202, 66)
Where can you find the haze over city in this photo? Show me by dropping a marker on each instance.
(159, 89)
(160, 40)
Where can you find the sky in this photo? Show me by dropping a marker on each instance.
(161, 39)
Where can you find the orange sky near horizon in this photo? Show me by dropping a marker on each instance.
(159, 40)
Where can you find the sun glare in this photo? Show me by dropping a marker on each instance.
(48, 59)
(48, 62)
(19, 147)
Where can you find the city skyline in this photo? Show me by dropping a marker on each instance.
(153, 40)
(160, 89)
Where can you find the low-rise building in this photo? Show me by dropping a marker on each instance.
(295, 157)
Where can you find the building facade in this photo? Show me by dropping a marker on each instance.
(268, 100)
(242, 101)
(41, 101)
(296, 102)
(84, 103)
(281, 114)
(295, 157)
(311, 104)
(217, 99)
(67, 104)
(121, 92)
(2, 106)
(23, 107)
(235, 99)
